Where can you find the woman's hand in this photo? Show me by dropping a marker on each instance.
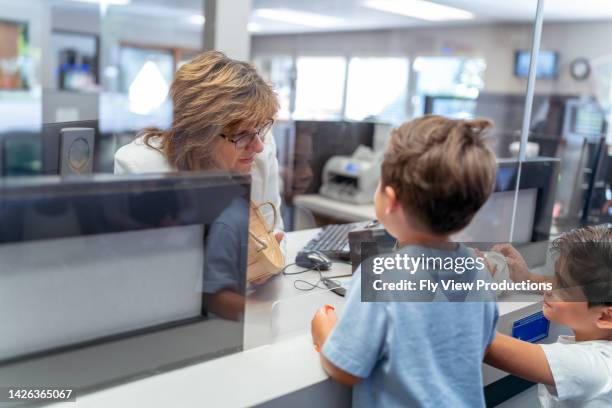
(322, 324)
(279, 236)
(517, 268)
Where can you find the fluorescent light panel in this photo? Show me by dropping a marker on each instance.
(420, 9)
(302, 18)
(197, 19)
(254, 28)
(106, 2)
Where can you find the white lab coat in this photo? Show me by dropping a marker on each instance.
(137, 158)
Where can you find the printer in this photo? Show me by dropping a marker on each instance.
(352, 179)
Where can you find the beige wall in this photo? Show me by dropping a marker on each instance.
(496, 43)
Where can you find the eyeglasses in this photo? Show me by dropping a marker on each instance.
(243, 140)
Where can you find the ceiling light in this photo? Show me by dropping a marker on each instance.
(197, 19)
(254, 27)
(421, 9)
(302, 18)
(106, 2)
(149, 89)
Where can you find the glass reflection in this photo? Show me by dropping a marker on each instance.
(21, 44)
(571, 111)
(415, 65)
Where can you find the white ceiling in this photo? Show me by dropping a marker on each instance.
(352, 15)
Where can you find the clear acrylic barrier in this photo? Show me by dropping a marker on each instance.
(281, 308)
(292, 317)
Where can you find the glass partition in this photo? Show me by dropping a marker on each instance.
(137, 68)
(89, 65)
(78, 80)
(571, 109)
(22, 41)
(357, 72)
(111, 278)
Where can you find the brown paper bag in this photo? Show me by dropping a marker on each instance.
(265, 257)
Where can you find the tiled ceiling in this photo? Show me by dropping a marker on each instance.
(353, 15)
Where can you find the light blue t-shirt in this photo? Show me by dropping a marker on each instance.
(413, 354)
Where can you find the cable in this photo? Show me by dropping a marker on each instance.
(284, 270)
(310, 285)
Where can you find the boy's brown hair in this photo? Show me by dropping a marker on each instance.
(585, 261)
(441, 170)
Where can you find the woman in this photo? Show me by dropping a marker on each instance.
(223, 112)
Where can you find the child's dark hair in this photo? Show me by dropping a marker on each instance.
(441, 170)
(585, 260)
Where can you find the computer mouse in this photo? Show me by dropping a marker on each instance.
(313, 259)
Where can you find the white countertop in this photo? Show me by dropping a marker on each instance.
(279, 357)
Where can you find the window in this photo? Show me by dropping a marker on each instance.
(146, 76)
(134, 59)
(279, 71)
(455, 77)
(377, 89)
(320, 87)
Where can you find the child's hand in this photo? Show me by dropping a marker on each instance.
(518, 270)
(322, 324)
(491, 267)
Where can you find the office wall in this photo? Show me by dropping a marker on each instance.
(113, 29)
(494, 42)
(129, 27)
(80, 19)
(589, 40)
(132, 28)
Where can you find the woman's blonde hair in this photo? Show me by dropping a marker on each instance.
(212, 94)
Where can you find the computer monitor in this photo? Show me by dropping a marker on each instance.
(450, 106)
(538, 183)
(506, 111)
(595, 196)
(493, 222)
(103, 276)
(317, 141)
(548, 64)
(583, 119)
(69, 147)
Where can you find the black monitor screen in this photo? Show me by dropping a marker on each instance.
(547, 64)
(314, 144)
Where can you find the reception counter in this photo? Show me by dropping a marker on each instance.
(278, 366)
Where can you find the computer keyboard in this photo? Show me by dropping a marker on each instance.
(333, 239)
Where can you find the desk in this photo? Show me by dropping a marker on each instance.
(279, 366)
(338, 210)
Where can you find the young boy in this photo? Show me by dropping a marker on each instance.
(576, 371)
(436, 174)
